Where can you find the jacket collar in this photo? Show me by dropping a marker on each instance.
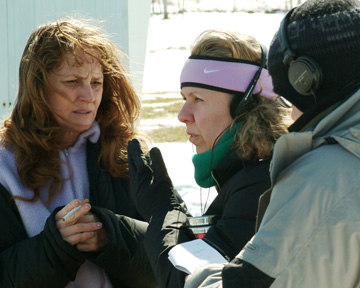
(341, 124)
(229, 167)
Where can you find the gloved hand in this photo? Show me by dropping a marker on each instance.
(150, 185)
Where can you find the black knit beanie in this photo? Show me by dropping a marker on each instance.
(329, 32)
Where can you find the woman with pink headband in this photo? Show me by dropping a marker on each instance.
(233, 121)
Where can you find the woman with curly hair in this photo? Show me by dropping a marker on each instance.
(233, 119)
(64, 142)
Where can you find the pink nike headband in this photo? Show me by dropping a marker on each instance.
(226, 76)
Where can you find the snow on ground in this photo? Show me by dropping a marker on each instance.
(177, 157)
(169, 41)
(168, 47)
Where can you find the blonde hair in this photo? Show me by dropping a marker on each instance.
(263, 122)
(32, 130)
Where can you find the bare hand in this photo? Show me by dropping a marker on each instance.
(98, 241)
(74, 231)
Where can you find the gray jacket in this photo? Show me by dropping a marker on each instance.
(309, 235)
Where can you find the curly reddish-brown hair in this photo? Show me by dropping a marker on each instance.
(32, 130)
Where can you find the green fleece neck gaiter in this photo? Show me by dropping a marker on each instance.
(203, 163)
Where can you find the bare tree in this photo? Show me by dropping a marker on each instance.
(158, 4)
(288, 4)
(181, 6)
(166, 14)
(235, 6)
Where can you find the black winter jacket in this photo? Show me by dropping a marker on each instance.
(46, 260)
(240, 186)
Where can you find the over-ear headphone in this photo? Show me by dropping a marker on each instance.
(239, 102)
(304, 73)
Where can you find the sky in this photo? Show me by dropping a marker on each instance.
(168, 47)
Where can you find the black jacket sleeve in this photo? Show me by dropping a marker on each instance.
(239, 273)
(44, 260)
(166, 229)
(236, 205)
(124, 259)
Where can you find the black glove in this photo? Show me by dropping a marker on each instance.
(151, 187)
(239, 273)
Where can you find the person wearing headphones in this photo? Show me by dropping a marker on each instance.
(233, 120)
(308, 223)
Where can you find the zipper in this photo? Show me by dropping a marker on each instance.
(217, 183)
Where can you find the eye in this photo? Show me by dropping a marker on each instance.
(72, 81)
(197, 99)
(97, 83)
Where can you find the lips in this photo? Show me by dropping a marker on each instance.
(82, 111)
(192, 137)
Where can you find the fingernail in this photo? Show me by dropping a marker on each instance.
(87, 206)
(77, 202)
(99, 224)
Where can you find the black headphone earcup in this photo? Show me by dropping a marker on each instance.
(234, 105)
(305, 75)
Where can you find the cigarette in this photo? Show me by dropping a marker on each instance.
(67, 216)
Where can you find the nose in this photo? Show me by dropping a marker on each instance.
(86, 93)
(185, 115)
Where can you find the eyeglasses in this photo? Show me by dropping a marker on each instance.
(283, 102)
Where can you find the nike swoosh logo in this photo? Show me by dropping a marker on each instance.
(210, 71)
